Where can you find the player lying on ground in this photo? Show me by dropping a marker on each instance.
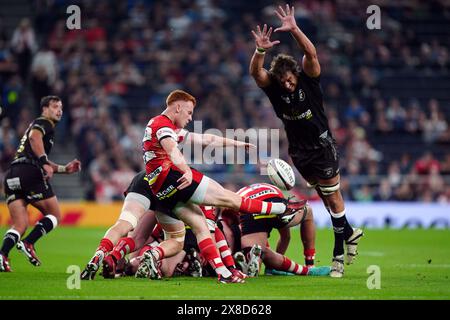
(255, 230)
(27, 181)
(194, 262)
(191, 262)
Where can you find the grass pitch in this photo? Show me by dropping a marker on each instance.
(414, 264)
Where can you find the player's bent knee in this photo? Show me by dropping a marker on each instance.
(129, 217)
(329, 190)
(309, 213)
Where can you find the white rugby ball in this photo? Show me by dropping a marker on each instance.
(281, 174)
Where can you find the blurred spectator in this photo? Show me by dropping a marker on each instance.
(426, 164)
(396, 115)
(24, 45)
(355, 111)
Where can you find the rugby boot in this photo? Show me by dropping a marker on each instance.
(28, 250)
(253, 261)
(149, 267)
(241, 263)
(4, 264)
(230, 279)
(93, 265)
(351, 245)
(337, 267)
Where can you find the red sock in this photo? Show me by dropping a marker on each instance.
(123, 247)
(210, 253)
(255, 206)
(222, 245)
(144, 249)
(291, 266)
(105, 245)
(158, 253)
(310, 256)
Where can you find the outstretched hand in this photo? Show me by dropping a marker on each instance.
(73, 166)
(262, 38)
(287, 18)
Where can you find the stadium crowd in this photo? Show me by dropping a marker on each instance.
(114, 73)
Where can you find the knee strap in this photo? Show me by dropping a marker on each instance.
(178, 235)
(129, 217)
(328, 190)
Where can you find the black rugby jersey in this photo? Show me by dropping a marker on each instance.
(302, 113)
(47, 127)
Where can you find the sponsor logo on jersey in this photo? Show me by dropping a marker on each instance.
(152, 176)
(301, 95)
(299, 116)
(37, 196)
(328, 172)
(167, 193)
(147, 134)
(263, 193)
(13, 183)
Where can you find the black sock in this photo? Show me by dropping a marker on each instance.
(9, 241)
(348, 230)
(338, 228)
(44, 226)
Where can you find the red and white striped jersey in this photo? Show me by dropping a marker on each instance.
(157, 161)
(260, 191)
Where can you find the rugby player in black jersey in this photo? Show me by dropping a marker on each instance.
(27, 182)
(295, 93)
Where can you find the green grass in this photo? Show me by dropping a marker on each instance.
(414, 264)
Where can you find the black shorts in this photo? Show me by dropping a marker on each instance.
(236, 230)
(140, 185)
(169, 196)
(190, 241)
(26, 181)
(317, 164)
(261, 223)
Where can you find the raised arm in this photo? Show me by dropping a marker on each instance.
(263, 43)
(310, 62)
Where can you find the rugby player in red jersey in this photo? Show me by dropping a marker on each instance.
(180, 190)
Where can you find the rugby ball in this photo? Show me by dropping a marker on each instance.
(281, 174)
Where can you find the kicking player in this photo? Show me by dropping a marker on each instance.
(27, 181)
(297, 98)
(180, 190)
